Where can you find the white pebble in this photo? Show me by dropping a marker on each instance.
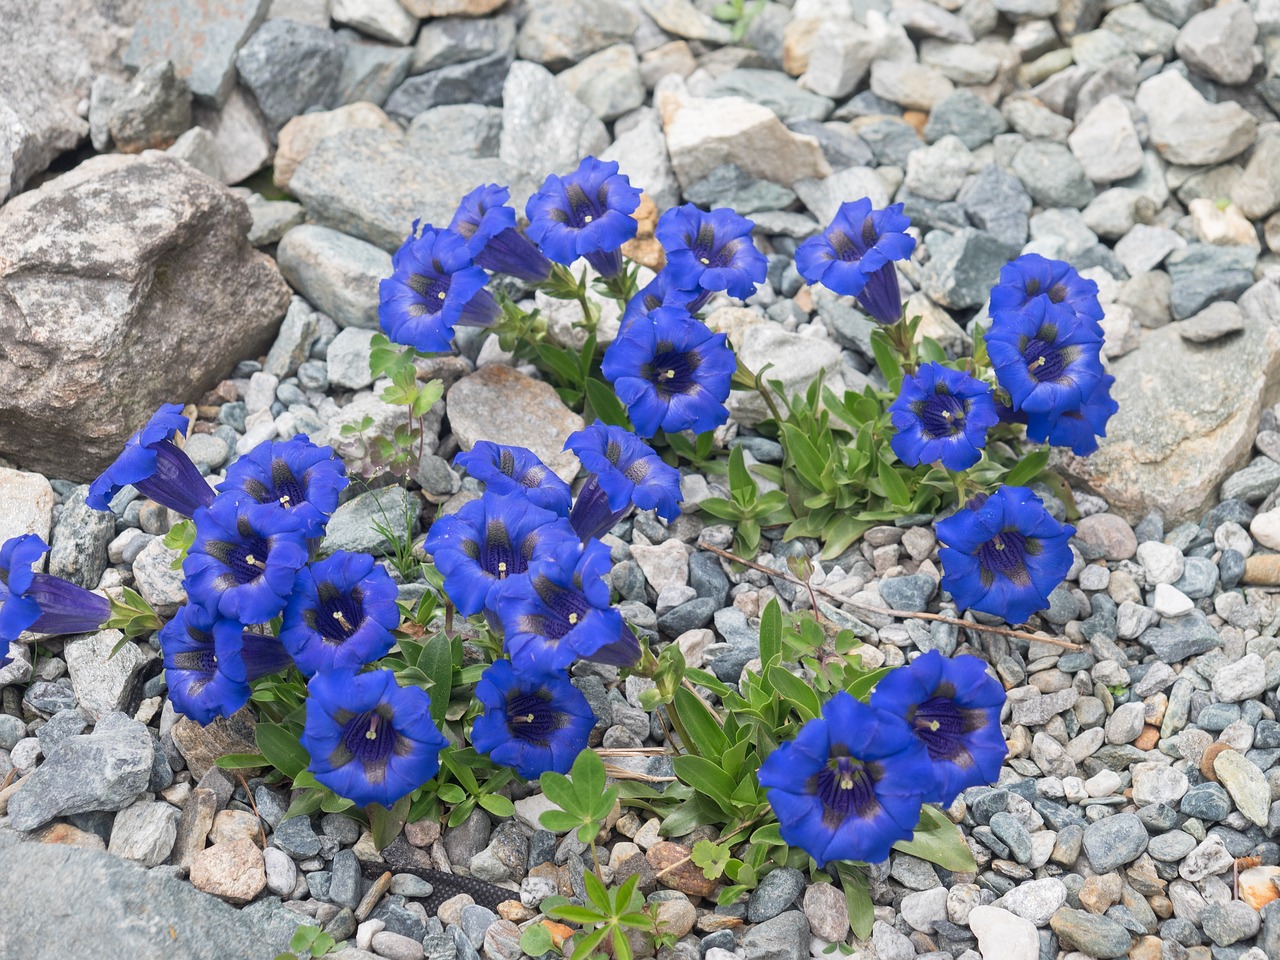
(1172, 602)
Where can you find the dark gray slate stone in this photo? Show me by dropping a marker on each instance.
(777, 891)
(966, 115)
(1175, 642)
(908, 593)
(996, 202)
(370, 71)
(290, 68)
(1191, 293)
(476, 81)
(105, 770)
(200, 38)
(94, 906)
(774, 90)
(78, 548)
(962, 265)
(1114, 841)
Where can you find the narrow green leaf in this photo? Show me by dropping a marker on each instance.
(282, 749)
(384, 824)
(886, 360)
(700, 723)
(893, 484)
(605, 404)
(1028, 468)
(707, 777)
(801, 696)
(575, 914)
(436, 661)
(858, 901)
(939, 841)
(497, 804)
(240, 761)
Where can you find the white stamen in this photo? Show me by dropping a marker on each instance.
(337, 615)
(588, 218)
(704, 261)
(372, 732)
(573, 618)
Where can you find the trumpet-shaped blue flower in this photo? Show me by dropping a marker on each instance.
(1046, 356)
(586, 214)
(295, 474)
(560, 613)
(942, 415)
(1004, 554)
(953, 707)
(156, 467)
(531, 722)
(711, 251)
(1032, 277)
(489, 544)
(850, 785)
(433, 287)
(340, 614)
(661, 291)
(1077, 429)
(671, 372)
(624, 471)
(245, 558)
(370, 740)
(494, 242)
(514, 471)
(854, 256)
(210, 660)
(40, 602)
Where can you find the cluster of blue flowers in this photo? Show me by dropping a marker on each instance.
(853, 781)
(670, 371)
(526, 555)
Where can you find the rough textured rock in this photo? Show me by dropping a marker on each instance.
(1188, 414)
(500, 404)
(151, 915)
(300, 135)
(26, 504)
(103, 683)
(1190, 130)
(371, 184)
(125, 264)
(201, 39)
(703, 134)
(336, 273)
(49, 53)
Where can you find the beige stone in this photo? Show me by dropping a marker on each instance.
(26, 505)
(233, 870)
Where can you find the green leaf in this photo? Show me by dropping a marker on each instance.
(384, 824)
(535, 940)
(282, 749)
(886, 360)
(557, 821)
(605, 404)
(939, 841)
(436, 661)
(771, 633)
(240, 761)
(710, 857)
(1028, 468)
(451, 793)
(894, 487)
(700, 723)
(794, 690)
(707, 777)
(857, 898)
(497, 804)
(307, 803)
(575, 914)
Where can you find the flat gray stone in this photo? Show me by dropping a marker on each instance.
(338, 274)
(291, 68)
(351, 526)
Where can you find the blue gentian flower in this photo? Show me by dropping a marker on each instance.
(942, 414)
(586, 214)
(854, 256)
(156, 467)
(624, 471)
(1004, 554)
(711, 251)
(245, 558)
(493, 241)
(1032, 277)
(1047, 357)
(433, 287)
(490, 543)
(671, 372)
(295, 474)
(40, 602)
(370, 740)
(560, 613)
(850, 785)
(1077, 429)
(661, 291)
(531, 722)
(210, 660)
(515, 471)
(953, 707)
(341, 614)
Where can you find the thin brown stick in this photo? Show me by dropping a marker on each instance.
(262, 833)
(900, 614)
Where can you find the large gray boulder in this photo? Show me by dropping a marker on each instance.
(1188, 414)
(49, 54)
(95, 906)
(126, 283)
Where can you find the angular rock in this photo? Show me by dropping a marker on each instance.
(1003, 934)
(467, 129)
(152, 112)
(337, 273)
(1218, 43)
(381, 19)
(545, 128)
(300, 135)
(449, 40)
(473, 81)
(26, 505)
(1052, 175)
(201, 39)
(105, 770)
(1106, 143)
(370, 71)
(1188, 129)
(90, 894)
(352, 525)
(201, 746)
(1188, 415)
(87, 299)
(291, 67)
(703, 134)
(103, 683)
(608, 81)
(241, 140)
(370, 184)
(144, 832)
(641, 154)
(232, 870)
(500, 404)
(558, 33)
(449, 8)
